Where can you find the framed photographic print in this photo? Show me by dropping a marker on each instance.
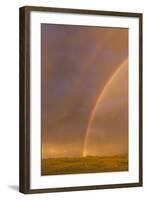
(80, 99)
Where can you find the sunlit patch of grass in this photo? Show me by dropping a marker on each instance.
(89, 164)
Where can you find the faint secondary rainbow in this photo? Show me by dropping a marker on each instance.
(91, 118)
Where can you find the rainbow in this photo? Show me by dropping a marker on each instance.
(91, 118)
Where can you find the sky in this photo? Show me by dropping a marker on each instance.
(83, 69)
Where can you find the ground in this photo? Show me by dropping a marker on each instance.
(89, 164)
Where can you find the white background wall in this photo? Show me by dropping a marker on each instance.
(9, 98)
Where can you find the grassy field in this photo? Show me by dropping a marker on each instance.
(90, 164)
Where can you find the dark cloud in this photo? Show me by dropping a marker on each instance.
(76, 62)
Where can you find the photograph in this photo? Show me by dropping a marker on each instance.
(84, 99)
(80, 99)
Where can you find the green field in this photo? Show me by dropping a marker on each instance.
(89, 164)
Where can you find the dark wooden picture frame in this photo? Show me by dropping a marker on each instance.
(24, 92)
